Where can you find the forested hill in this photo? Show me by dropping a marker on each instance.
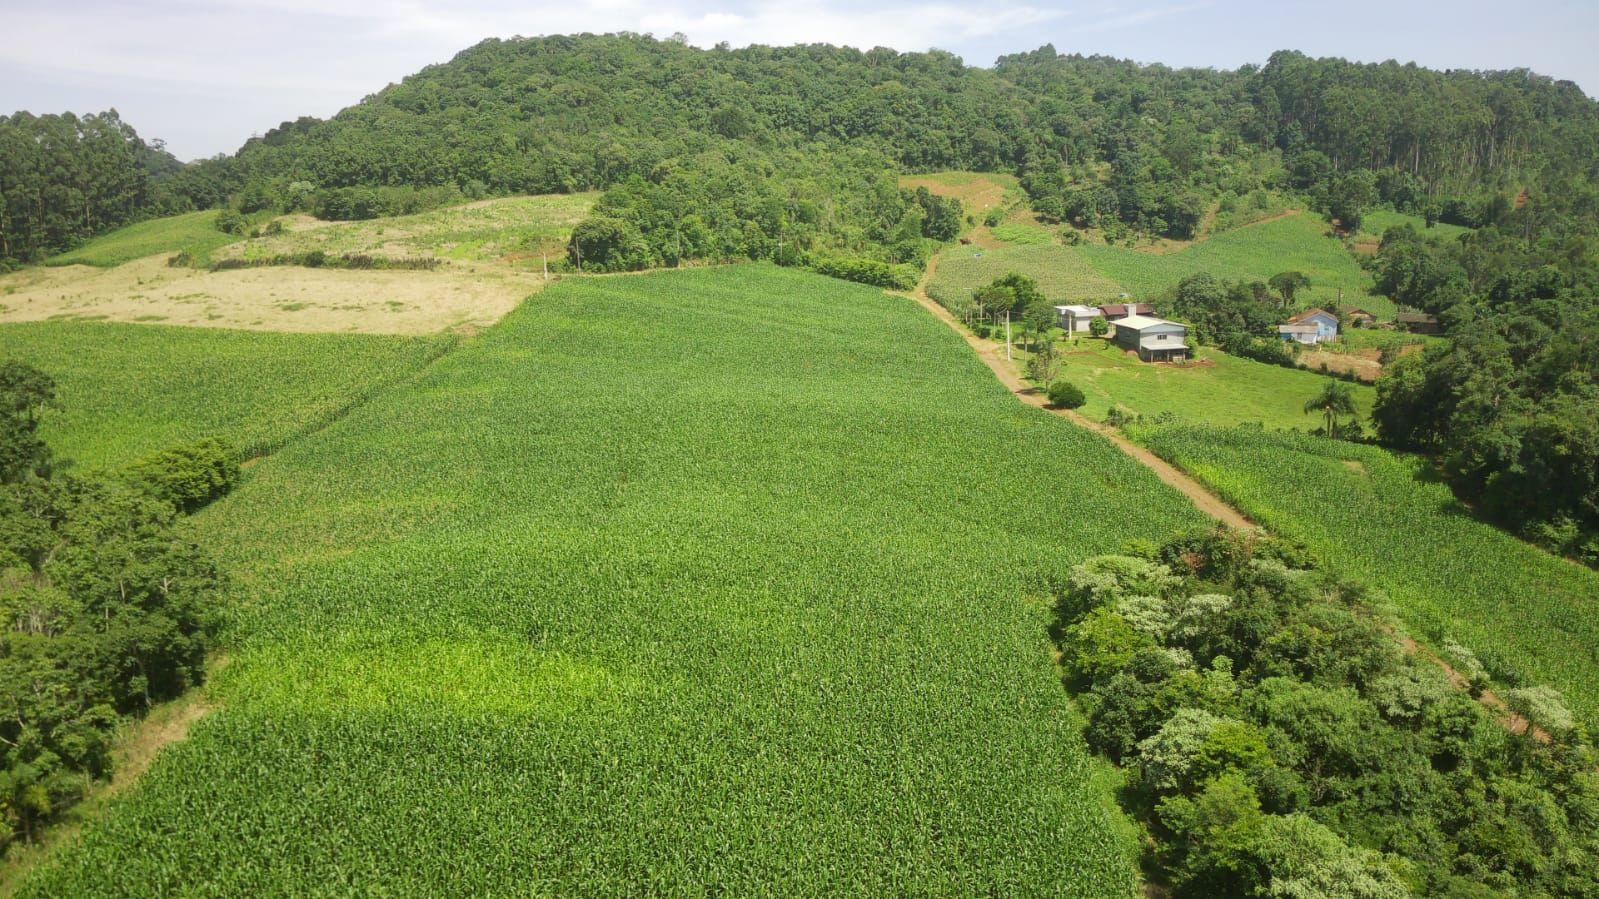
(1097, 140)
(568, 113)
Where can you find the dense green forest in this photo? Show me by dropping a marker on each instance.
(1098, 141)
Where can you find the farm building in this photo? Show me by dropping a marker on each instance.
(1076, 318)
(1359, 318)
(1418, 323)
(1311, 326)
(1155, 339)
(1115, 311)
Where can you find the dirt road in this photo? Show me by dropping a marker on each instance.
(993, 355)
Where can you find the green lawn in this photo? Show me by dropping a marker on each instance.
(191, 231)
(129, 390)
(712, 581)
(1023, 233)
(1217, 389)
(1386, 519)
(1253, 252)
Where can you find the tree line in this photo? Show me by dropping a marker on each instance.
(104, 608)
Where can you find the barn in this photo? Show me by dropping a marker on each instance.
(1155, 339)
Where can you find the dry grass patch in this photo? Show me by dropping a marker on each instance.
(977, 191)
(279, 298)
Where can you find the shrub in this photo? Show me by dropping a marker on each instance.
(1066, 395)
(187, 477)
(865, 271)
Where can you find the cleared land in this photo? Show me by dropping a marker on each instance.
(128, 390)
(490, 255)
(1096, 272)
(277, 298)
(191, 231)
(1365, 510)
(1296, 242)
(511, 231)
(1059, 273)
(977, 191)
(1216, 389)
(700, 577)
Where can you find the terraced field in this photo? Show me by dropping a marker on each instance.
(1366, 510)
(129, 390)
(700, 578)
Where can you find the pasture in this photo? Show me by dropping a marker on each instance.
(1216, 389)
(510, 231)
(129, 390)
(194, 232)
(977, 191)
(1059, 272)
(1385, 518)
(714, 577)
(1097, 273)
(1254, 253)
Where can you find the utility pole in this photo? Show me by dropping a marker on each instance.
(1007, 335)
(546, 257)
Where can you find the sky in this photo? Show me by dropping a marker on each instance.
(205, 76)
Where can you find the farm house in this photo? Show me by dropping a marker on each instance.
(1155, 339)
(1310, 327)
(1418, 323)
(1076, 318)
(1116, 311)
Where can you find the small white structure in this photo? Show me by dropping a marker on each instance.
(1310, 327)
(1076, 318)
(1155, 339)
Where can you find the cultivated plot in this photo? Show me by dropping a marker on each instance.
(704, 578)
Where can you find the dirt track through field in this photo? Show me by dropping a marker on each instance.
(993, 355)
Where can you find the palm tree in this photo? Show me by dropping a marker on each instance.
(1336, 399)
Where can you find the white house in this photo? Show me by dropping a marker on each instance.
(1311, 326)
(1076, 318)
(1155, 339)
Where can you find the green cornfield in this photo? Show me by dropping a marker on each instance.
(1386, 519)
(129, 390)
(702, 582)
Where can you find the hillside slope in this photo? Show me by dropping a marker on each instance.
(700, 578)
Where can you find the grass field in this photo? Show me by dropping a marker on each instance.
(1218, 389)
(512, 230)
(191, 231)
(977, 191)
(129, 390)
(701, 581)
(1383, 518)
(1059, 273)
(1254, 252)
(1097, 273)
(1377, 221)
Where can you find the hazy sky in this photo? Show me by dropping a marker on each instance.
(205, 76)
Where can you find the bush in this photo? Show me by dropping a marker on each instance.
(1066, 395)
(187, 477)
(865, 271)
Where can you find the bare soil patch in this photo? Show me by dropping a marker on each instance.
(1356, 363)
(275, 298)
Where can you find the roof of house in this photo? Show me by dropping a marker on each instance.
(1141, 322)
(1356, 310)
(1079, 309)
(1297, 328)
(1127, 308)
(1416, 318)
(1309, 314)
